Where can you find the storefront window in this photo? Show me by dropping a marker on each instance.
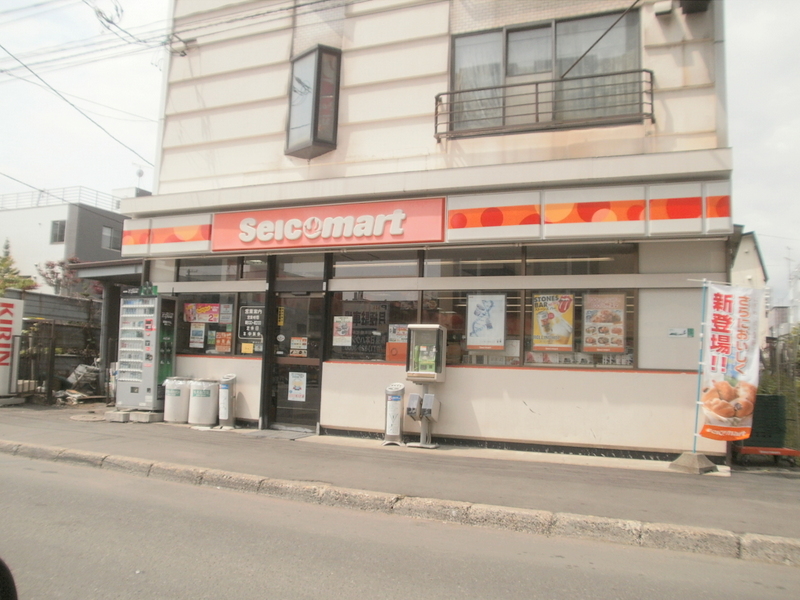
(473, 262)
(352, 265)
(483, 328)
(254, 268)
(585, 328)
(207, 269)
(372, 325)
(205, 324)
(300, 266)
(594, 259)
(250, 323)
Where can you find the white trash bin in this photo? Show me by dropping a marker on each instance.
(204, 402)
(227, 400)
(176, 399)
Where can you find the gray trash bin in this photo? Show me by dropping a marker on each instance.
(176, 399)
(204, 402)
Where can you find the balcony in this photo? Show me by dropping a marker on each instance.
(591, 101)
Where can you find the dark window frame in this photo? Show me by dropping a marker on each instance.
(58, 232)
(315, 144)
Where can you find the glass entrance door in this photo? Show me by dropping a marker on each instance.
(297, 362)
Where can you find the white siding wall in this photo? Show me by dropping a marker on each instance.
(227, 98)
(28, 232)
(634, 409)
(248, 378)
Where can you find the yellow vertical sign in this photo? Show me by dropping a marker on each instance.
(281, 315)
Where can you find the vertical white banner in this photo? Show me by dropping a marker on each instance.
(730, 366)
(10, 326)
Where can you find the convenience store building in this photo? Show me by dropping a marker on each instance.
(560, 228)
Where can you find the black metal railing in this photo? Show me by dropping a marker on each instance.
(594, 100)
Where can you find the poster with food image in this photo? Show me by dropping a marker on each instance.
(730, 365)
(297, 387)
(343, 331)
(553, 321)
(604, 323)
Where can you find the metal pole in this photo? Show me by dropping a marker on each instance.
(700, 367)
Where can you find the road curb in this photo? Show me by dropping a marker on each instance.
(715, 542)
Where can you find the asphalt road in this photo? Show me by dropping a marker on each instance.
(74, 533)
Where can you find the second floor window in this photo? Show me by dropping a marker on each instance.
(58, 230)
(111, 238)
(513, 77)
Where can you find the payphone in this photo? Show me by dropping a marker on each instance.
(425, 364)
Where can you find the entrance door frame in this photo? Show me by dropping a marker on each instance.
(301, 287)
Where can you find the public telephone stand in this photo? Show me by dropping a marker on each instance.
(426, 411)
(425, 365)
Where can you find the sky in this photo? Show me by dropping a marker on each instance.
(45, 143)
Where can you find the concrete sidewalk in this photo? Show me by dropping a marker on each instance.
(744, 513)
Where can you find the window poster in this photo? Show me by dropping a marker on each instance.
(226, 313)
(604, 323)
(224, 342)
(553, 322)
(201, 313)
(197, 335)
(397, 344)
(343, 331)
(297, 387)
(486, 321)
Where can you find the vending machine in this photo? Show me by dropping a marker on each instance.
(146, 350)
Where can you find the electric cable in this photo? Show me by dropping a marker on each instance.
(76, 108)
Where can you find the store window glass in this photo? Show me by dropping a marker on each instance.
(254, 268)
(162, 270)
(205, 324)
(483, 327)
(403, 263)
(207, 269)
(587, 259)
(250, 323)
(580, 328)
(300, 266)
(473, 262)
(372, 325)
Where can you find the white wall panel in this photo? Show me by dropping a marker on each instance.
(621, 409)
(237, 55)
(229, 89)
(398, 25)
(248, 378)
(660, 311)
(420, 58)
(225, 124)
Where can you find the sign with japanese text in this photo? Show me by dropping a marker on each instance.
(251, 322)
(730, 365)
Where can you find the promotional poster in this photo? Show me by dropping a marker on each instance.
(553, 321)
(604, 323)
(486, 322)
(730, 364)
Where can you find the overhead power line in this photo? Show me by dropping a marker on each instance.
(60, 95)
